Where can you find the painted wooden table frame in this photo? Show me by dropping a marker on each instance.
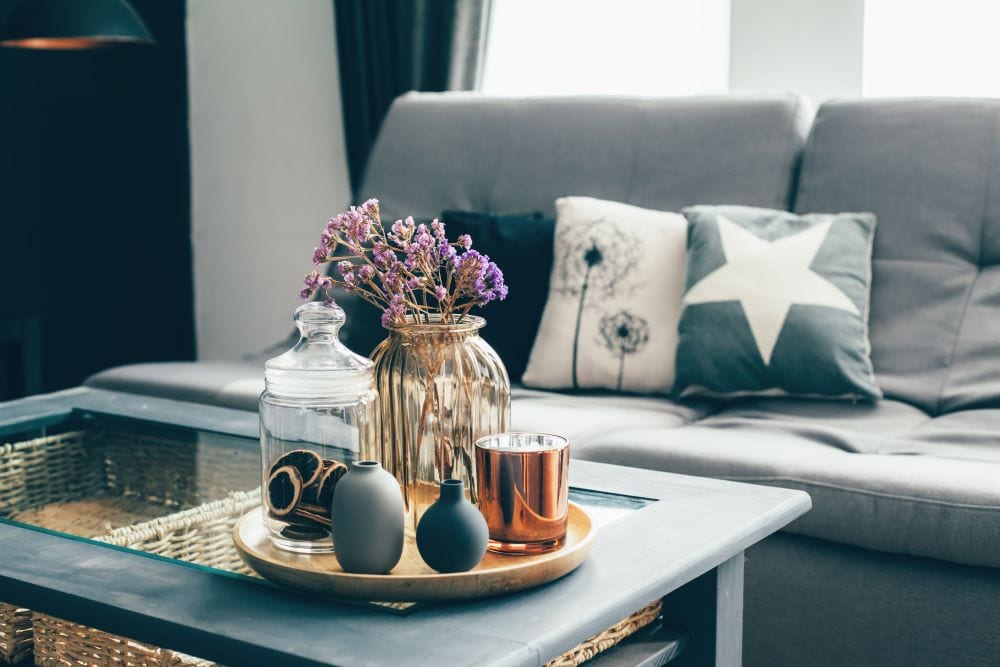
(687, 547)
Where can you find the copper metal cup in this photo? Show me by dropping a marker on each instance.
(523, 490)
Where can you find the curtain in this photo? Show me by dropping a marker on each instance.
(388, 47)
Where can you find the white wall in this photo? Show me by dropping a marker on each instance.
(809, 46)
(268, 165)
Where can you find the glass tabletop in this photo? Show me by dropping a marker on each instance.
(167, 490)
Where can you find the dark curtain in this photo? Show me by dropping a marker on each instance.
(388, 47)
(95, 209)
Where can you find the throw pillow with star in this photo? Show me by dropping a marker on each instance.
(775, 304)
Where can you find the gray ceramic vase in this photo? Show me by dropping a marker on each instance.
(452, 535)
(367, 520)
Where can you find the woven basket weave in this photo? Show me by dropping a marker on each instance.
(609, 638)
(103, 485)
(200, 535)
(15, 634)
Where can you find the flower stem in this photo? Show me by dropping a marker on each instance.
(576, 332)
(621, 369)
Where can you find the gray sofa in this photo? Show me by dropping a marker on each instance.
(899, 561)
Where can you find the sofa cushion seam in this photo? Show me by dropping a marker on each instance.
(972, 285)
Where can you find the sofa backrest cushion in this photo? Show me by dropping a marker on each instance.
(925, 167)
(469, 152)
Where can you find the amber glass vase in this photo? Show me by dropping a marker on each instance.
(441, 387)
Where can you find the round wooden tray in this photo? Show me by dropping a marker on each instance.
(411, 580)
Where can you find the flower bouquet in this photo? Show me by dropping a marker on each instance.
(409, 272)
(441, 387)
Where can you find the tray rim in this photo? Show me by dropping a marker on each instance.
(567, 559)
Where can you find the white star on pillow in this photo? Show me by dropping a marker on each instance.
(767, 277)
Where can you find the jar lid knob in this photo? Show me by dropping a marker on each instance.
(319, 365)
(319, 317)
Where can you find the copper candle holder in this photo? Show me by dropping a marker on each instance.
(524, 490)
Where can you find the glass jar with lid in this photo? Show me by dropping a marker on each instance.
(317, 416)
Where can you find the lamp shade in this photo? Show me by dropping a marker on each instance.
(73, 24)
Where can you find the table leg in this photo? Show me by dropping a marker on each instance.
(710, 609)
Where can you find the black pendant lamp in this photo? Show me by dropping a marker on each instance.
(73, 24)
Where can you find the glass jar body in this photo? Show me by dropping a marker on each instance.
(318, 439)
(441, 388)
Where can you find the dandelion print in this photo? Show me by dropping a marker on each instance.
(624, 333)
(600, 258)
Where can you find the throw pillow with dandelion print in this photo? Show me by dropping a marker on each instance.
(610, 321)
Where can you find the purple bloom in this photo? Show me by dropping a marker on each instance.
(371, 207)
(402, 230)
(492, 284)
(440, 293)
(478, 278)
(424, 240)
(314, 282)
(420, 250)
(358, 227)
(382, 255)
(319, 255)
(393, 279)
(446, 252)
(366, 272)
(336, 224)
(395, 313)
(345, 267)
(465, 241)
(437, 228)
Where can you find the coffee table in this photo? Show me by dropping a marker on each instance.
(660, 535)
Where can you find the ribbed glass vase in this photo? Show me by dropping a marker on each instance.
(441, 387)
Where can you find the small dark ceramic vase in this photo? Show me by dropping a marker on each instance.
(452, 534)
(367, 520)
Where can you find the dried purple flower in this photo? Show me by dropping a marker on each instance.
(492, 286)
(396, 268)
(382, 255)
(437, 228)
(314, 282)
(395, 313)
(358, 226)
(335, 224)
(402, 230)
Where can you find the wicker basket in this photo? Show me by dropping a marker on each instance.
(609, 638)
(106, 485)
(15, 634)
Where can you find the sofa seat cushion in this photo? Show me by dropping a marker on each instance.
(885, 477)
(973, 435)
(862, 428)
(231, 384)
(596, 415)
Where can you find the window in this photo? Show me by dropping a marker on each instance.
(627, 47)
(931, 47)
